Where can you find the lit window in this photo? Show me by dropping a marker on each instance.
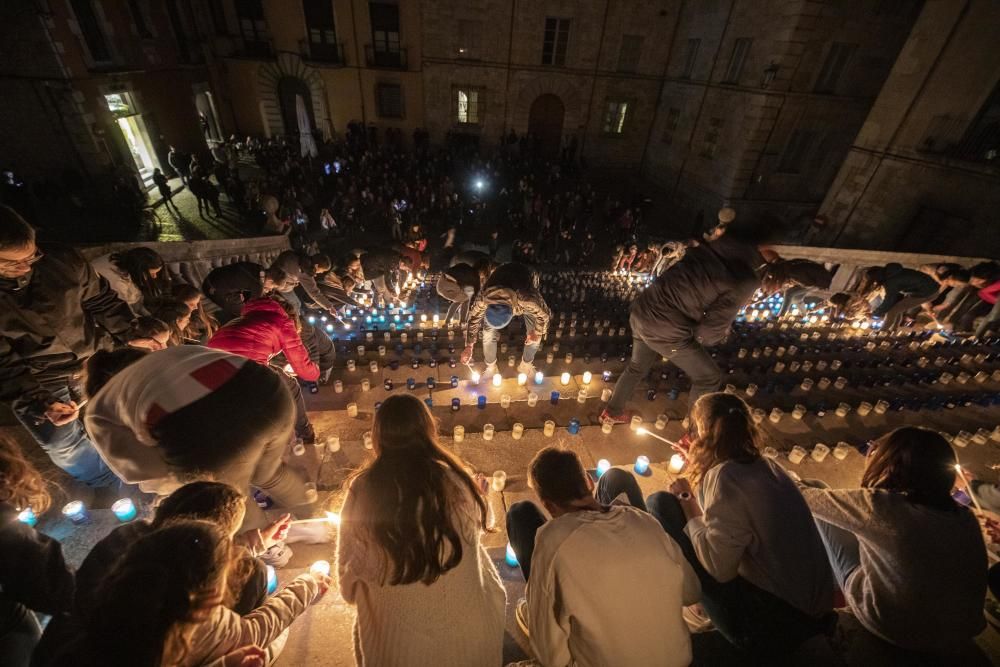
(614, 117)
(468, 106)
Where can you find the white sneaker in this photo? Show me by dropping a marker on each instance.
(277, 556)
(489, 371)
(696, 618)
(521, 616)
(527, 368)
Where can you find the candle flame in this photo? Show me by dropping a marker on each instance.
(641, 431)
(333, 518)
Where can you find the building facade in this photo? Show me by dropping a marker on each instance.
(923, 174)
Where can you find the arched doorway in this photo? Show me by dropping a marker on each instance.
(545, 121)
(290, 87)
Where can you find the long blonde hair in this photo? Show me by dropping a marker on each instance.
(21, 484)
(725, 432)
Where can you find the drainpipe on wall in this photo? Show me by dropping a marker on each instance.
(506, 84)
(659, 94)
(593, 83)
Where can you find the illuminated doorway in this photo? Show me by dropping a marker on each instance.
(135, 135)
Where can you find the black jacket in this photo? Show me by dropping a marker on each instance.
(696, 299)
(230, 286)
(51, 323)
(514, 285)
(900, 283)
(379, 263)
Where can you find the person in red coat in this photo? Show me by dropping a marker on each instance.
(266, 327)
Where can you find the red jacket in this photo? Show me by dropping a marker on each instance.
(262, 331)
(990, 292)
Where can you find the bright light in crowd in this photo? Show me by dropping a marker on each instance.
(333, 518)
(497, 379)
(641, 431)
(479, 184)
(475, 377)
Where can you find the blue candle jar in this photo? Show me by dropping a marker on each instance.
(673, 393)
(394, 364)
(411, 383)
(124, 509)
(455, 404)
(574, 426)
(641, 465)
(431, 383)
(76, 512)
(27, 516)
(554, 398)
(481, 402)
(454, 381)
(606, 376)
(539, 377)
(272, 579)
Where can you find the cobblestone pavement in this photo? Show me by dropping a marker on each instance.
(180, 220)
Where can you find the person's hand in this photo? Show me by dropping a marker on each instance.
(482, 483)
(276, 532)
(680, 486)
(247, 656)
(466, 354)
(146, 344)
(532, 338)
(61, 414)
(683, 445)
(324, 581)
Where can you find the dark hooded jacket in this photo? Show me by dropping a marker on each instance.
(697, 298)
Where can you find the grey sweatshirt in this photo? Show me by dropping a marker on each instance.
(922, 578)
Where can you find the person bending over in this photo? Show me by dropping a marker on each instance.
(511, 290)
(905, 289)
(689, 306)
(748, 534)
(230, 286)
(410, 555)
(381, 267)
(910, 560)
(302, 270)
(136, 275)
(580, 564)
(459, 285)
(267, 327)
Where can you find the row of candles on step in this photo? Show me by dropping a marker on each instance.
(76, 511)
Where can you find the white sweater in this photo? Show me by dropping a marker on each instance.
(757, 525)
(457, 621)
(121, 283)
(922, 579)
(607, 588)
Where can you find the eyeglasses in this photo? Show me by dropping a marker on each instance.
(27, 261)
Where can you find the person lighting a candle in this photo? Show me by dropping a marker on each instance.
(410, 553)
(606, 585)
(511, 291)
(34, 576)
(690, 306)
(765, 554)
(911, 560)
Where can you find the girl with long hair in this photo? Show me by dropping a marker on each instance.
(177, 316)
(202, 321)
(162, 604)
(410, 554)
(136, 275)
(748, 534)
(910, 560)
(33, 574)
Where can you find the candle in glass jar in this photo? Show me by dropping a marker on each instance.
(522, 379)
(352, 409)
(124, 509)
(366, 384)
(641, 466)
(76, 512)
(602, 467)
(676, 463)
(366, 438)
(841, 451)
(549, 428)
(636, 422)
(587, 377)
(499, 481)
(797, 454)
(532, 399)
(497, 379)
(517, 430)
(459, 433)
(505, 401)
(606, 426)
(488, 431)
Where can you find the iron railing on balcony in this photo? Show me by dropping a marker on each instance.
(389, 59)
(322, 52)
(953, 137)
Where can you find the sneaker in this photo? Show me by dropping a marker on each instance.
(696, 618)
(521, 616)
(277, 556)
(622, 418)
(527, 368)
(489, 371)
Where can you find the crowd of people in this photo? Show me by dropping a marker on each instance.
(737, 544)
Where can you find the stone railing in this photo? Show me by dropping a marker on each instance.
(190, 261)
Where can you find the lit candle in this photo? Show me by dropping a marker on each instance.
(587, 377)
(497, 379)
(522, 379)
(272, 579)
(475, 377)
(517, 430)
(636, 422)
(819, 452)
(333, 443)
(338, 386)
(581, 396)
(499, 481)
(539, 378)
(366, 384)
(641, 465)
(352, 409)
(605, 395)
(124, 509)
(549, 428)
(797, 454)
(367, 440)
(76, 512)
(841, 451)
(27, 516)
(676, 463)
(661, 422)
(602, 467)
(511, 558)
(488, 431)
(564, 378)
(320, 567)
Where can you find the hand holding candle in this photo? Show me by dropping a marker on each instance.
(276, 532)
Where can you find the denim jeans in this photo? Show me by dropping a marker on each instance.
(302, 425)
(490, 336)
(693, 360)
(458, 309)
(749, 617)
(382, 293)
(841, 545)
(68, 446)
(524, 518)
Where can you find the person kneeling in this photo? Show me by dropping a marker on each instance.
(606, 584)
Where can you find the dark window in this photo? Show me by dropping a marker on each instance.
(139, 19)
(253, 27)
(614, 117)
(218, 17)
(389, 99)
(740, 50)
(180, 32)
(467, 39)
(711, 145)
(631, 51)
(796, 151)
(836, 61)
(690, 58)
(673, 119)
(321, 29)
(385, 34)
(556, 38)
(981, 141)
(90, 27)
